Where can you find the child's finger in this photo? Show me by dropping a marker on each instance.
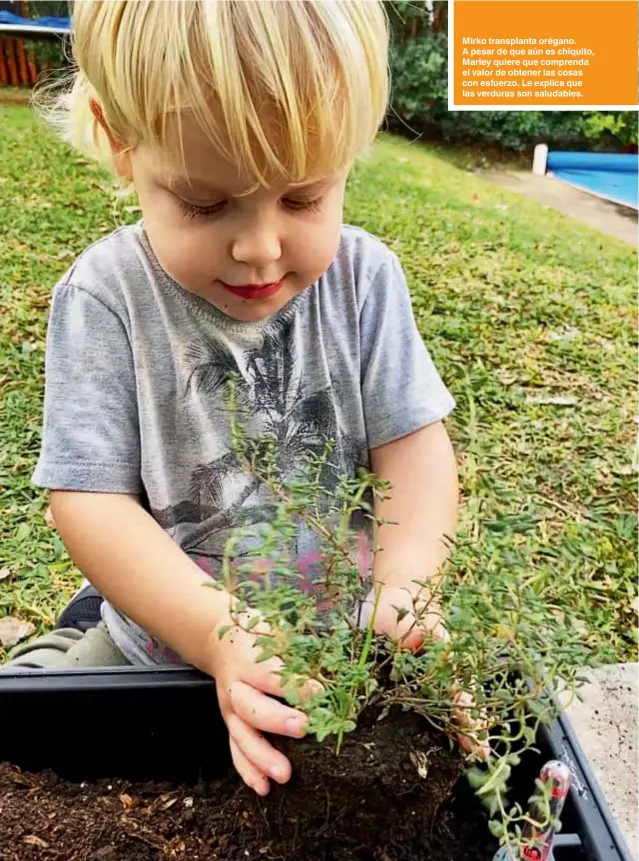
(400, 615)
(264, 713)
(266, 677)
(471, 743)
(429, 626)
(470, 727)
(304, 689)
(257, 750)
(251, 776)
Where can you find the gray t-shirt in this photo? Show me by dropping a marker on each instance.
(137, 368)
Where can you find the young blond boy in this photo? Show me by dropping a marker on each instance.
(237, 124)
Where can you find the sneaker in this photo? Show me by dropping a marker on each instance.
(83, 610)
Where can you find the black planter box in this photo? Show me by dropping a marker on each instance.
(164, 724)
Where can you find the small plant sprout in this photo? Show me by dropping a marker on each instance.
(493, 676)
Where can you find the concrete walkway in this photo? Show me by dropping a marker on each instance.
(606, 726)
(604, 216)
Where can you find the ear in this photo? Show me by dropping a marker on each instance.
(120, 155)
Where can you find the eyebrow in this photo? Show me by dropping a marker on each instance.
(323, 182)
(198, 185)
(183, 182)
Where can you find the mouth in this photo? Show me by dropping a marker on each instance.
(254, 291)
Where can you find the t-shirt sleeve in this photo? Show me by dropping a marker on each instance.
(401, 389)
(91, 439)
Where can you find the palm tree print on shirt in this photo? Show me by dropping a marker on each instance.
(272, 393)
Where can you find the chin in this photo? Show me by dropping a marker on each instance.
(247, 312)
(252, 311)
(249, 315)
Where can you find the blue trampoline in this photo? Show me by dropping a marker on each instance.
(15, 25)
(612, 176)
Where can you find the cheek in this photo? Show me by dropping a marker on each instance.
(317, 244)
(327, 245)
(185, 251)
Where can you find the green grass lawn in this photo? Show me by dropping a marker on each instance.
(529, 317)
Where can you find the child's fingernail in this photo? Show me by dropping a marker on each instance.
(278, 772)
(295, 725)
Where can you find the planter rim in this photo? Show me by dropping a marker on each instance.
(600, 835)
(602, 830)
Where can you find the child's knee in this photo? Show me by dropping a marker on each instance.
(66, 648)
(95, 649)
(47, 652)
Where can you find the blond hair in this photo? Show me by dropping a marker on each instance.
(287, 88)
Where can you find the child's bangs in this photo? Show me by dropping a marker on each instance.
(286, 90)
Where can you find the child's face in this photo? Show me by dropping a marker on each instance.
(247, 255)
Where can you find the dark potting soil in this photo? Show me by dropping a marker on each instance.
(392, 794)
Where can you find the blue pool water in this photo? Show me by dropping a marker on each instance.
(612, 175)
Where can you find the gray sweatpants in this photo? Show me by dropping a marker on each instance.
(67, 648)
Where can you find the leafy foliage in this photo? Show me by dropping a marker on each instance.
(47, 8)
(420, 78)
(52, 57)
(493, 677)
(610, 129)
(529, 317)
(419, 67)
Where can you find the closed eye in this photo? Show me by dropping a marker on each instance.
(191, 210)
(194, 211)
(302, 205)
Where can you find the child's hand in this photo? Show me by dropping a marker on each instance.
(395, 617)
(245, 691)
(395, 601)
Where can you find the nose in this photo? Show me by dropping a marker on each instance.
(258, 246)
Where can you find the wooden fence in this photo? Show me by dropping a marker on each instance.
(19, 66)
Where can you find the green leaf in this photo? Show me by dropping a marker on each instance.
(476, 777)
(24, 531)
(402, 612)
(496, 828)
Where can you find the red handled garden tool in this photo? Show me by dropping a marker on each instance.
(536, 842)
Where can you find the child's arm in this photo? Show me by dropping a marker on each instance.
(422, 470)
(138, 567)
(423, 507)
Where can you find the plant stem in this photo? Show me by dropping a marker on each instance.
(370, 630)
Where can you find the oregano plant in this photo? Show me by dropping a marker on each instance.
(495, 676)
